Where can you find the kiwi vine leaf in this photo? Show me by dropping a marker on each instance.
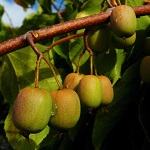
(123, 124)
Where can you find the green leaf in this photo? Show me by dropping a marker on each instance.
(8, 81)
(90, 7)
(46, 4)
(115, 73)
(71, 8)
(1, 11)
(6, 32)
(24, 63)
(62, 49)
(134, 2)
(76, 47)
(110, 64)
(37, 21)
(124, 93)
(17, 141)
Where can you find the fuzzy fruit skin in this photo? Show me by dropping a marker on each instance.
(108, 92)
(124, 42)
(99, 39)
(90, 91)
(32, 110)
(67, 109)
(145, 69)
(72, 80)
(123, 21)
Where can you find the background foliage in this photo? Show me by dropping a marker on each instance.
(122, 125)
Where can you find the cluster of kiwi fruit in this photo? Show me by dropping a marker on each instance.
(35, 108)
(92, 90)
(120, 31)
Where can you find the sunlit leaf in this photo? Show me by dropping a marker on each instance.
(24, 63)
(92, 6)
(76, 47)
(62, 49)
(110, 64)
(46, 4)
(134, 2)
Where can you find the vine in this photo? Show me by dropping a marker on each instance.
(65, 27)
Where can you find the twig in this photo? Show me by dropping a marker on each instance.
(79, 60)
(65, 27)
(64, 40)
(29, 38)
(11, 24)
(89, 50)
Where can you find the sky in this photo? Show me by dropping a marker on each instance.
(15, 12)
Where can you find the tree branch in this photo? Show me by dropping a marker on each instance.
(65, 27)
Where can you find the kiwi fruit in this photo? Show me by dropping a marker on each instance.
(123, 21)
(66, 110)
(108, 92)
(90, 91)
(32, 110)
(72, 80)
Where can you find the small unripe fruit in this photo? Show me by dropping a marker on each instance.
(32, 110)
(90, 91)
(99, 39)
(108, 92)
(72, 80)
(67, 109)
(124, 42)
(145, 69)
(123, 21)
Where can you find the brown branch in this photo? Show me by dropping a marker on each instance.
(65, 27)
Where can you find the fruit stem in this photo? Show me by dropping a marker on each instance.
(53, 71)
(108, 3)
(95, 70)
(64, 40)
(36, 81)
(29, 38)
(80, 57)
(114, 3)
(88, 49)
(91, 64)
